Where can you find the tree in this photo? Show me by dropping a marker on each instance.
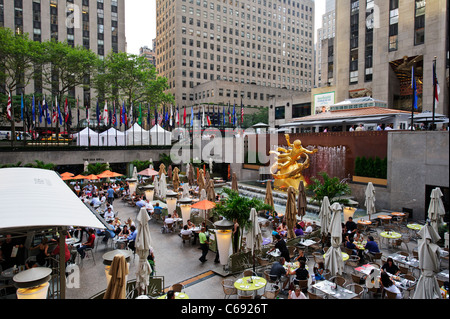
(239, 207)
(331, 187)
(261, 116)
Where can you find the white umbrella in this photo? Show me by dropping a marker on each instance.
(370, 200)
(436, 209)
(254, 234)
(185, 190)
(135, 174)
(333, 256)
(325, 216)
(163, 186)
(156, 185)
(427, 286)
(143, 244)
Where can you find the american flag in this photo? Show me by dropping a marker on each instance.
(242, 113)
(8, 108)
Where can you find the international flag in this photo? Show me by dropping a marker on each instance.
(41, 113)
(105, 113)
(203, 115)
(123, 118)
(223, 114)
(54, 114)
(140, 114)
(21, 107)
(131, 115)
(229, 114)
(33, 110)
(177, 116)
(192, 116)
(437, 89)
(88, 115)
(184, 116)
(78, 112)
(414, 87)
(148, 115)
(114, 117)
(170, 117)
(47, 112)
(66, 111)
(156, 115)
(242, 113)
(60, 118)
(8, 107)
(234, 114)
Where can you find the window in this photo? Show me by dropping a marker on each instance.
(280, 112)
(419, 22)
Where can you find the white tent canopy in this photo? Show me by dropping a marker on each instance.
(108, 138)
(85, 135)
(49, 201)
(136, 135)
(160, 136)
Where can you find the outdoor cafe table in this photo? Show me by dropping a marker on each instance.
(443, 274)
(414, 229)
(385, 217)
(364, 222)
(411, 262)
(250, 284)
(390, 235)
(178, 295)
(334, 291)
(345, 256)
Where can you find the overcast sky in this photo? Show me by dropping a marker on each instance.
(140, 16)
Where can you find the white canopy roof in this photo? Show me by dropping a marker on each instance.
(159, 136)
(85, 135)
(32, 198)
(108, 138)
(136, 135)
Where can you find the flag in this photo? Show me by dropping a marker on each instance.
(60, 118)
(47, 111)
(148, 116)
(87, 115)
(106, 113)
(33, 110)
(234, 114)
(242, 113)
(436, 89)
(203, 115)
(184, 116)
(131, 115)
(123, 118)
(21, 107)
(223, 114)
(114, 117)
(140, 115)
(78, 112)
(54, 114)
(97, 111)
(170, 117)
(192, 116)
(156, 114)
(8, 107)
(208, 120)
(66, 111)
(69, 118)
(41, 113)
(177, 116)
(229, 114)
(414, 87)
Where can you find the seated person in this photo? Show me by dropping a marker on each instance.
(175, 214)
(282, 229)
(190, 224)
(296, 293)
(301, 274)
(371, 247)
(149, 207)
(301, 256)
(185, 232)
(359, 236)
(95, 202)
(168, 220)
(319, 270)
(89, 244)
(157, 209)
(278, 272)
(350, 245)
(309, 228)
(389, 285)
(132, 238)
(109, 214)
(390, 267)
(141, 203)
(125, 232)
(298, 230)
(281, 246)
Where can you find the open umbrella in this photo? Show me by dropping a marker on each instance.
(291, 214)
(204, 205)
(176, 179)
(143, 244)
(427, 286)
(254, 234)
(370, 200)
(333, 256)
(301, 203)
(234, 183)
(210, 192)
(108, 173)
(118, 284)
(92, 177)
(79, 177)
(325, 216)
(191, 179)
(436, 209)
(268, 200)
(67, 174)
(148, 172)
(66, 178)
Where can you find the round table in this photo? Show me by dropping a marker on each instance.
(360, 245)
(391, 235)
(244, 284)
(345, 256)
(178, 295)
(384, 217)
(398, 214)
(364, 222)
(414, 226)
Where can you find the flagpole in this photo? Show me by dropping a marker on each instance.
(434, 93)
(413, 100)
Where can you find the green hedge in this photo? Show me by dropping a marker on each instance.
(371, 167)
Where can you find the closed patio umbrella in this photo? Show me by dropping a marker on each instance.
(203, 196)
(156, 185)
(201, 181)
(370, 200)
(436, 209)
(135, 174)
(427, 286)
(268, 199)
(207, 178)
(162, 170)
(333, 256)
(185, 191)
(176, 179)
(143, 244)
(301, 202)
(291, 214)
(210, 192)
(163, 186)
(118, 284)
(234, 183)
(254, 235)
(191, 179)
(170, 172)
(325, 216)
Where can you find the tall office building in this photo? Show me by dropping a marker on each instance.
(98, 25)
(237, 44)
(148, 53)
(377, 44)
(324, 66)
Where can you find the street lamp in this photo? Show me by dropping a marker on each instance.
(33, 283)
(223, 239)
(171, 201)
(132, 184)
(149, 191)
(185, 206)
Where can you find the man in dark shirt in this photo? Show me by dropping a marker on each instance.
(278, 272)
(281, 245)
(351, 227)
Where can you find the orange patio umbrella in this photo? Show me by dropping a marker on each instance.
(148, 172)
(204, 205)
(67, 174)
(108, 173)
(79, 177)
(92, 177)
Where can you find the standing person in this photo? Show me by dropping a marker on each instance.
(235, 236)
(352, 128)
(281, 245)
(77, 189)
(43, 251)
(379, 127)
(110, 193)
(203, 244)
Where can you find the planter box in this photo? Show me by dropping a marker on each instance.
(365, 180)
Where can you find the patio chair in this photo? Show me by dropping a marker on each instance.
(389, 295)
(403, 253)
(292, 251)
(404, 269)
(303, 284)
(356, 279)
(186, 238)
(248, 273)
(357, 289)
(313, 295)
(352, 262)
(340, 281)
(228, 288)
(177, 287)
(412, 287)
(272, 293)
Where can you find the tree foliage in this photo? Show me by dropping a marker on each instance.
(329, 186)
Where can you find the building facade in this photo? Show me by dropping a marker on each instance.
(149, 54)
(98, 25)
(264, 43)
(325, 47)
(377, 44)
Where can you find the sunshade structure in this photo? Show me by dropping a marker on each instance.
(118, 284)
(191, 178)
(176, 179)
(427, 286)
(370, 200)
(254, 234)
(143, 244)
(201, 181)
(333, 256)
(55, 207)
(210, 192)
(170, 172)
(162, 169)
(234, 183)
(79, 177)
(268, 199)
(109, 174)
(159, 136)
(207, 178)
(436, 209)
(325, 216)
(148, 172)
(156, 185)
(301, 201)
(92, 177)
(185, 191)
(87, 137)
(291, 213)
(204, 205)
(136, 135)
(427, 116)
(112, 137)
(163, 186)
(67, 174)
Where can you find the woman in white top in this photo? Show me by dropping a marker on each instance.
(389, 285)
(296, 293)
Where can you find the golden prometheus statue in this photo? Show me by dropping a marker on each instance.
(287, 171)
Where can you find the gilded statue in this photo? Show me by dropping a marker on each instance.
(287, 171)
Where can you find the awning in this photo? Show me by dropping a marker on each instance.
(372, 119)
(33, 198)
(314, 123)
